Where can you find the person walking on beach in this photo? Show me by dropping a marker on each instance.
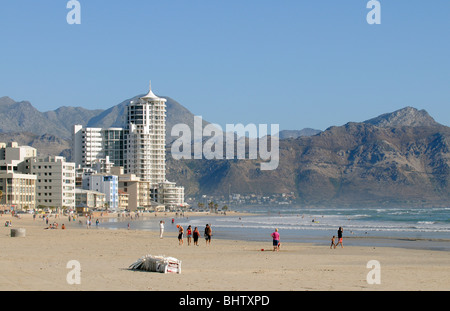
(340, 231)
(161, 229)
(196, 235)
(332, 242)
(208, 234)
(189, 234)
(276, 240)
(180, 235)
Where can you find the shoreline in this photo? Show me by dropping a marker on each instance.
(39, 260)
(438, 244)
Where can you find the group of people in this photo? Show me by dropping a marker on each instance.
(333, 239)
(276, 239)
(55, 225)
(192, 235)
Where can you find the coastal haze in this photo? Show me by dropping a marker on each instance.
(399, 158)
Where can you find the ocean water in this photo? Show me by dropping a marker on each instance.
(423, 228)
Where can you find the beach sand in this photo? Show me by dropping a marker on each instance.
(39, 260)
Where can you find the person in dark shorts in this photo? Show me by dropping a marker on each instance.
(276, 240)
(180, 235)
(333, 242)
(196, 235)
(208, 234)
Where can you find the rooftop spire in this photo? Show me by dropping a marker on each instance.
(150, 94)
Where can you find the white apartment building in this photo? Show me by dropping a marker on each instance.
(87, 145)
(18, 188)
(91, 146)
(55, 182)
(171, 195)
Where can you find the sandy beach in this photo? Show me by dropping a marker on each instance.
(39, 260)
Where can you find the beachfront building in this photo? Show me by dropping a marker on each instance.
(169, 194)
(55, 182)
(138, 192)
(146, 139)
(107, 184)
(17, 186)
(90, 199)
(18, 191)
(123, 200)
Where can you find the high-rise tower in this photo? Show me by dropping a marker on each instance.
(145, 138)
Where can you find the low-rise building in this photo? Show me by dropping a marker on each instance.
(90, 198)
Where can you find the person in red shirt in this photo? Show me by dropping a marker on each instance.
(276, 240)
(189, 234)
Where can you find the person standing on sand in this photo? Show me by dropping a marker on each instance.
(189, 234)
(208, 234)
(161, 229)
(180, 235)
(340, 231)
(276, 240)
(196, 235)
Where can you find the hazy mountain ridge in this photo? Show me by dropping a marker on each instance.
(397, 158)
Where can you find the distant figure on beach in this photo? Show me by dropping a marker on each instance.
(189, 234)
(196, 235)
(276, 240)
(180, 235)
(208, 234)
(340, 231)
(332, 242)
(161, 229)
(63, 227)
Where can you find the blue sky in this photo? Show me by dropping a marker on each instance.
(294, 63)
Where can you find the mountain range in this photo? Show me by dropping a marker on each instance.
(398, 158)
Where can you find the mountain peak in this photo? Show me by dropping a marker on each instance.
(408, 116)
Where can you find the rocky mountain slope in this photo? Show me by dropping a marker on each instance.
(401, 158)
(398, 158)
